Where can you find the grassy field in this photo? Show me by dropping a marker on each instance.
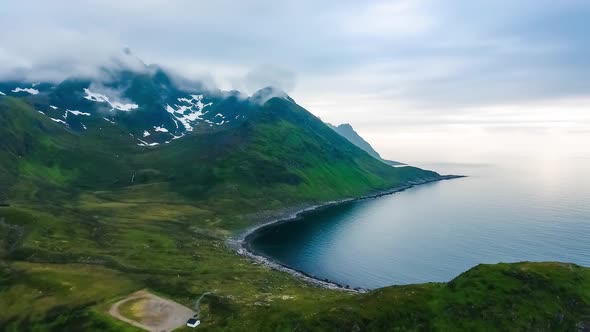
(63, 277)
(182, 264)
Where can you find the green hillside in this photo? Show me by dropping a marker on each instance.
(88, 217)
(281, 156)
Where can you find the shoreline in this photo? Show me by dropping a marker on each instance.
(241, 245)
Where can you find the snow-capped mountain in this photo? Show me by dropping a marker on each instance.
(148, 104)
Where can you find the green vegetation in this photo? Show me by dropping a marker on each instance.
(59, 297)
(93, 217)
(504, 297)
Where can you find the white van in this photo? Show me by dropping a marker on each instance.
(193, 322)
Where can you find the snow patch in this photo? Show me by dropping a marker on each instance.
(190, 110)
(144, 143)
(124, 107)
(27, 90)
(175, 122)
(59, 120)
(185, 100)
(146, 133)
(77, 113)
(177, 137)
(2, 93)
(160, 129)
(111, 121)
(100, 98)
(97, 97)
(83, 126)
(54, 107)
(41, 112)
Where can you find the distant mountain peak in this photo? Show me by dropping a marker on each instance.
(345, 130)
(265, 94)
(346, 126)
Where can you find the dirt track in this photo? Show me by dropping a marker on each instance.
(154, 313)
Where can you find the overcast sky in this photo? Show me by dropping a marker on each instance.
(422, 80)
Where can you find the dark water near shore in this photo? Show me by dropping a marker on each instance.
(500, 213)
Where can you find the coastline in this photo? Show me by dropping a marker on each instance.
(241, 245)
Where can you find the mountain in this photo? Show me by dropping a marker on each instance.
(350, 134)
(92, 210)
(83, 134)
(146, 104)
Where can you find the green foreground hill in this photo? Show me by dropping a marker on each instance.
(89, 217)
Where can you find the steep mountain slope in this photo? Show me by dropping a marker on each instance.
(346, 131)
(271, 151)
(265, 153)
(146, 104)
(42, 158)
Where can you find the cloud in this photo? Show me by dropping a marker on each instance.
(264, 76)
(53, 53)
(387, 19)
(410, 66)
(430, 51)
(115, 97)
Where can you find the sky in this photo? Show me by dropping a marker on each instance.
(421, 80)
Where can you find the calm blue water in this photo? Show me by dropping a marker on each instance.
(501, 213)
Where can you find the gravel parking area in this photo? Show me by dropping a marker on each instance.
(151, 312)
